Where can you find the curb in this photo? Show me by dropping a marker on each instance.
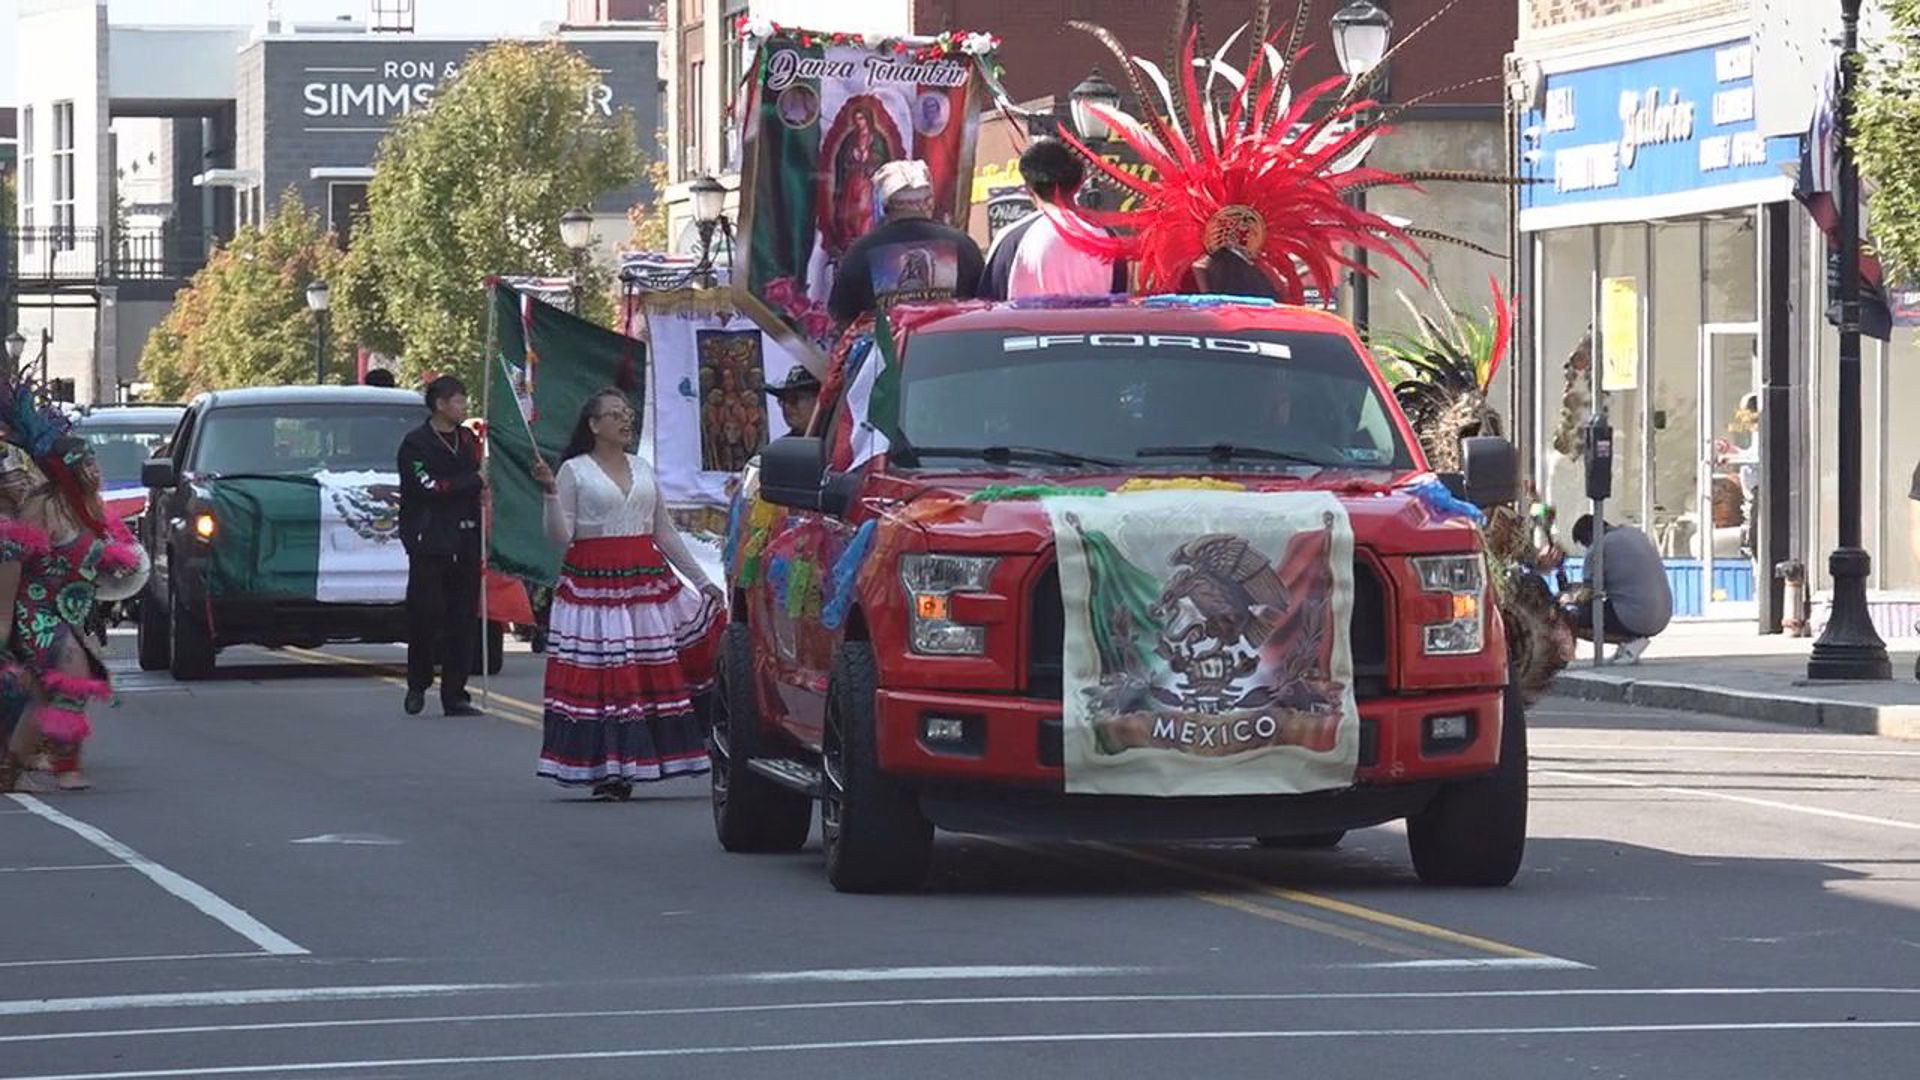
(1853, 718)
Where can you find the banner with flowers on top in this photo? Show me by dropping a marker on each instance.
(824, 111)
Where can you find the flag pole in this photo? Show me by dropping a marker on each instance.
(488, 360)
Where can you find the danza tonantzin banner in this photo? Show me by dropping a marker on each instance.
(823, 112)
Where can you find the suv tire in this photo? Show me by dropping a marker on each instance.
(1475, 832)
(150, 635)
(877, 839)
(192, 644)
(490, 647)
(750, 812)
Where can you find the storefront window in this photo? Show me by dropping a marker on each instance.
(1674, 423)
(1897, 560)
(1623, 274)
(1565, 312)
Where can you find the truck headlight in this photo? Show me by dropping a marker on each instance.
(1463, 579)
(931, 582)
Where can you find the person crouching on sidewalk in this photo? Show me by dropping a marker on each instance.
(1633, 578)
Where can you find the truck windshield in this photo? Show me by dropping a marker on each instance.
(302, 438)
(1254, 399)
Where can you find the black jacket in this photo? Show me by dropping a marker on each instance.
(906, 260)
(440, 493)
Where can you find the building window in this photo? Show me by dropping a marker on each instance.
(732, 70)
(346, 200)
(26, 178)
(697, 110)
(63, 176)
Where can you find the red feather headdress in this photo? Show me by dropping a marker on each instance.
(1241, 162)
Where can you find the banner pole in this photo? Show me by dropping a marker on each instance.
(488, 361)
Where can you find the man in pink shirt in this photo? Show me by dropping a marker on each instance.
(1031, 258)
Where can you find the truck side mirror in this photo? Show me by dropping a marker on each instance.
(790, 470)
(158, 474)
(1492, 470)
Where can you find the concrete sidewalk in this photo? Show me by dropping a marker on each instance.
(1726, 669)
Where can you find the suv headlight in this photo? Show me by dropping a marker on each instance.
(1463, 579)
(931, 582)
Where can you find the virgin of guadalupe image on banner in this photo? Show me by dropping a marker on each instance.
(824, 112)
(1207, 646)
(712, 414)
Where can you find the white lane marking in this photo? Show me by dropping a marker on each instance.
(1001, 1040)
(973, 1002)
(54, 869)
(1501, 963)
(351, 840)
(208, 904)
(1790, 751)
(934, 974)
(1746, 800)
(252, 955)
(227, 998)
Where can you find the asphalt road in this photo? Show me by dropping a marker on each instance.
(279, 874)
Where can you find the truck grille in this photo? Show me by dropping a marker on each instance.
(1047, 628)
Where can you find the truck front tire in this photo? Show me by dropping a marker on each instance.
(192, 644)
(751, 813)
(876, 837)
(1474, 832)
(150, 635)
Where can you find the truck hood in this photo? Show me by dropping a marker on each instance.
(1387, 516)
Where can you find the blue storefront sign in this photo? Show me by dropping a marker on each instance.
(1660, 136)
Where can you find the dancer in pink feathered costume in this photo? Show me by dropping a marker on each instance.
(59, 552)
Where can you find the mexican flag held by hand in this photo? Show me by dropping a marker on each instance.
(576, 360)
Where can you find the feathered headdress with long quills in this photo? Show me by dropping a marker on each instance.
(28, 417)
(1241, 162)
(1440, 377)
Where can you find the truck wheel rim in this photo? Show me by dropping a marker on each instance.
(722, 779)
(833, 783)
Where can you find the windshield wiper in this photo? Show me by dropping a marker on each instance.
(1231, 451)
(1003, 455)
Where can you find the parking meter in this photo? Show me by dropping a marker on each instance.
(1599, 442)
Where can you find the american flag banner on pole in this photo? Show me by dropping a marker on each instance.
(1814, 186)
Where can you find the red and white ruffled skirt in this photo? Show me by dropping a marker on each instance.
(629, 651)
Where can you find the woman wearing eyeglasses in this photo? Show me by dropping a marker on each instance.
(630, 647)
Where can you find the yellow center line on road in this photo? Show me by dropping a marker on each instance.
(1238, 903)
(510, 709)
(1328, 903)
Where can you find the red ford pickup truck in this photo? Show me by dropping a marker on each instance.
(1148, 570)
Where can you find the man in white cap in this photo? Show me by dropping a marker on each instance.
(909, 257)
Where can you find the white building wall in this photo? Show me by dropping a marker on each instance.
(60, 56)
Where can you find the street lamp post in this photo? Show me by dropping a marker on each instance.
(319, 300)
(1361, 31)
(576, 232)
(1849, 648)
(710, 215)
(1093, 128)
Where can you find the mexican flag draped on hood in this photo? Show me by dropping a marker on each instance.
(548, 363)
(326, 536)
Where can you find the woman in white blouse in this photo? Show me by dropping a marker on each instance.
(630, 647)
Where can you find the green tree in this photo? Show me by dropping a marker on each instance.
(474, 186)
(243, 319)
(1887, 118)
(649, 219)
